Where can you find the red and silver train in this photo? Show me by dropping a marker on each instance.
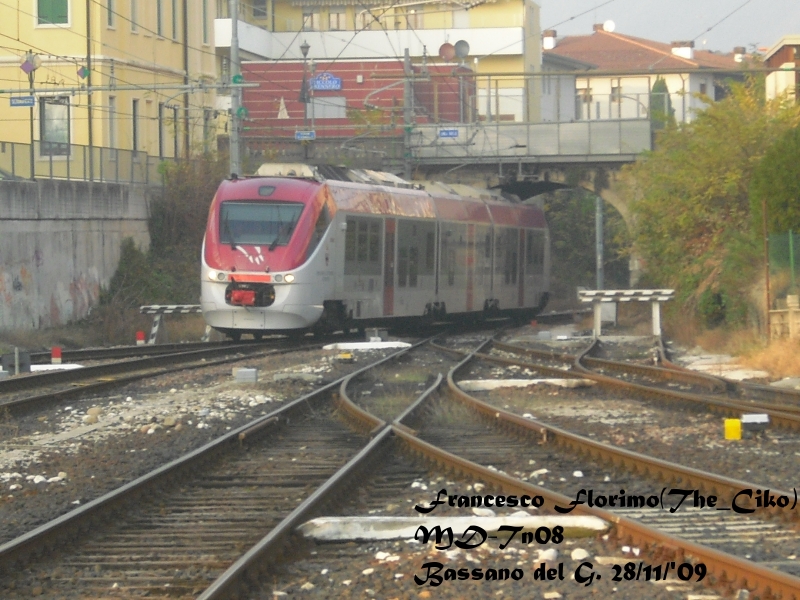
(300, 248)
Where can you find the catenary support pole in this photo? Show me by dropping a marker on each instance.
(235, 165)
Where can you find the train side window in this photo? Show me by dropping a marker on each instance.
(511, 254)
(350, 241)
(413, 266)
(362, 254)
(534, 251)
(430, 250)
(321, 226)
(402, 266)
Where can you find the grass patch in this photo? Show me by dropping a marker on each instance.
(781, 358)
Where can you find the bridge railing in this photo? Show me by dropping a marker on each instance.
(607, 140)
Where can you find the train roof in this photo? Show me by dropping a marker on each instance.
(427, 199)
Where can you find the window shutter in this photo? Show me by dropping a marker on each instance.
(60, 10)
(53, 11)
(45, 11)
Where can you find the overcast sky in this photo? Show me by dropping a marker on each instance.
(758, 23)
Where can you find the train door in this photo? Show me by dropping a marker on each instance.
(388, 268)
(363, 265)
(535, 259)
(470, 265)
(414, 266)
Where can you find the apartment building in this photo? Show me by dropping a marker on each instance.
(137, 55)
(503, 36)
(632, 72)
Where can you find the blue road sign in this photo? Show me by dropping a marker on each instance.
(304, 136)
(326, 81)
(448, 133)
(26, 101)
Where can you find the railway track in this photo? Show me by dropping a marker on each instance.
(183, 523)
(412, 431)
(57, 386)
(669, 385)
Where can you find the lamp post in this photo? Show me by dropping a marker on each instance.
(304, 48)
(29, 65)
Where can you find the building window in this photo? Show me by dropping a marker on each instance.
(53, 12)
(616, 93)
(54, 126)
(135, 125)
(134, 16)
(174, 19)
(112, 121)
(337, 19)
(204, 16)
(110, 13)
(327, 107)
(703, 88)
(414, 17)
(259, 9)
(366, 19)
(159, 20)
(310, 19)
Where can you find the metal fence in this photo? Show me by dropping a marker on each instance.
(72, 162)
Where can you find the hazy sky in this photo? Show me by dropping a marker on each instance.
(758, 23)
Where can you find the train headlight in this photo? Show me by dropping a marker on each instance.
(278, 278)
(288, 278)
(220, 276)
(216, 275)
(212, 275)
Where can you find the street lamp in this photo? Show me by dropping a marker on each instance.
(30, 63)
(304, 48)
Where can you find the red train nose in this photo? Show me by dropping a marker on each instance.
(243, 297)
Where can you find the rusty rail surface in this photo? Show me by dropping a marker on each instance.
(787, 417)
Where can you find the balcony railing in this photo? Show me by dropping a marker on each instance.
(72, 162)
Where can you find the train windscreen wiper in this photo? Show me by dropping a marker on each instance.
(288, 232)
(228, 231)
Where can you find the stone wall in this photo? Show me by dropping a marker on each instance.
(60, 243)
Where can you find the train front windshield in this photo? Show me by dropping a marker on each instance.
(258, 223)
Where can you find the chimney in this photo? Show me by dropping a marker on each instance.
(739, 53)
(549, 39)
(598, 27)
(683, 49)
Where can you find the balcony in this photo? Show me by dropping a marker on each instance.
(260, 44)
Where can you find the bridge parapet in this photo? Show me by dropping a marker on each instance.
(614, 141)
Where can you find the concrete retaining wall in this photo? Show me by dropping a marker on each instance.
(60, 243)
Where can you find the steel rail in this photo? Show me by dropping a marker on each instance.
(20, 406)
(115, 352)
(632, 461)
(56, 531)
(779, 415)
(359, 418)
(727, 570)
(14, 384)
(712, 383)
(257, 560)
(725, 567)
